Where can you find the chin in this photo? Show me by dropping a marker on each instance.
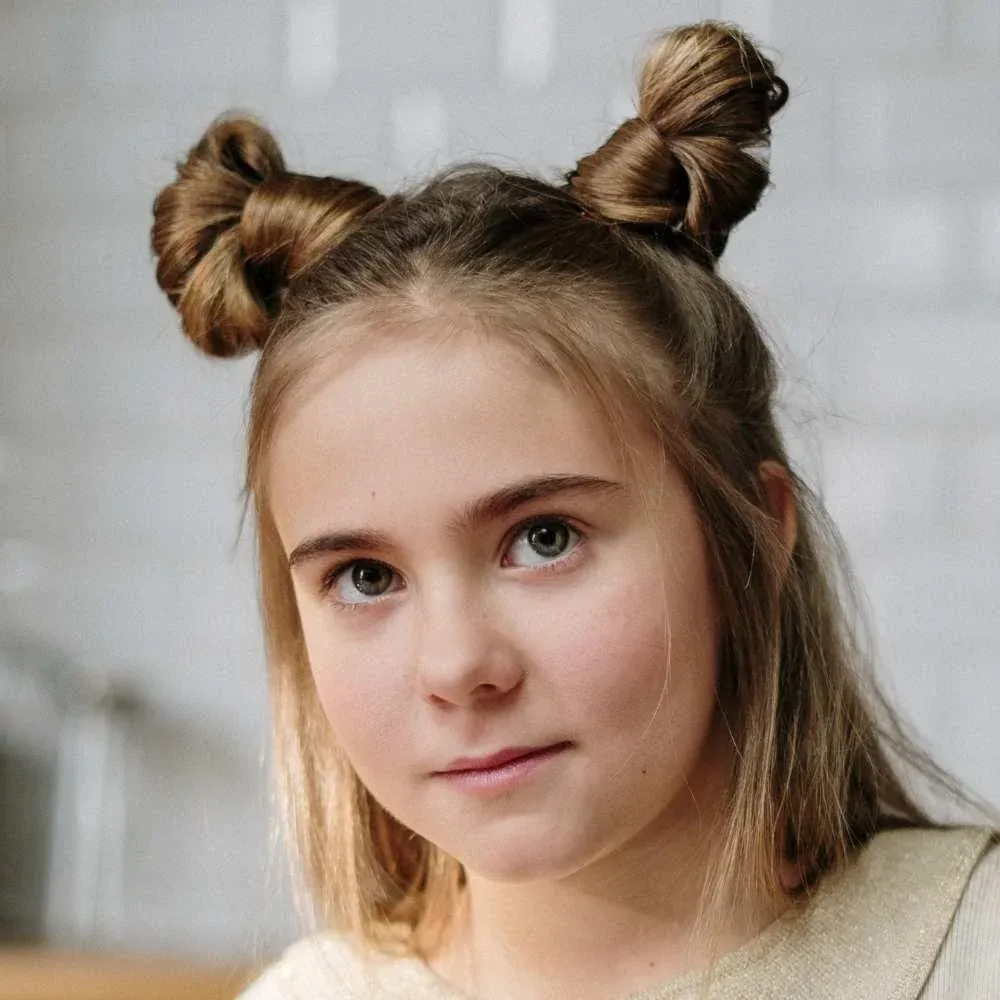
(517, 871)
(533, 860)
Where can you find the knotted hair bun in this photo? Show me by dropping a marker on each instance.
(236, 228)
(687, 161)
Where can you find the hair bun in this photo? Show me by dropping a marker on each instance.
(236, 227)
(687, 161)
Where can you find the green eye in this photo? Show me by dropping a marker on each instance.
(543, 542)
(371, 579)
(549, 540)
(361, 582)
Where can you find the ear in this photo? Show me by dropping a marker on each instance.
(780, 494)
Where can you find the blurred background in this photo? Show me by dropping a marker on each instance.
(133, 776)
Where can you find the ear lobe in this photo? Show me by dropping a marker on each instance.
(780, 494)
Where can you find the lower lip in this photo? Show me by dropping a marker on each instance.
(492, 780)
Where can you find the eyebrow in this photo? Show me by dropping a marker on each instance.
(491, 507)
(504, 501)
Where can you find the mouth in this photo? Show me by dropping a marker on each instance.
(505, 777)
(466, 765)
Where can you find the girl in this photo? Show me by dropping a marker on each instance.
(565, 700)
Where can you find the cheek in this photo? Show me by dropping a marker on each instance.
(360, 687)
(612, 650)
(613, 653)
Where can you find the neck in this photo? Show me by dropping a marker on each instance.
(626, 921)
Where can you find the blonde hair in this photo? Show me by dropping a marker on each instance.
(609, 278)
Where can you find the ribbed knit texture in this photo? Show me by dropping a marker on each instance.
(916, 917)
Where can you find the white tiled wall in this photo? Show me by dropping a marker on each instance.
(875, 263)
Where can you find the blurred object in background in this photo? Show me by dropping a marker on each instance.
(33, 975)
(25, 834)
(29, 750)
(62, 792)
(64, 741)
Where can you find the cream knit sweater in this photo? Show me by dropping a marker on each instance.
(916, 917)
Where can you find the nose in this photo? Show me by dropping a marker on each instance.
(464, 654)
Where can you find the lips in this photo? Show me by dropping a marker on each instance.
(497, 759)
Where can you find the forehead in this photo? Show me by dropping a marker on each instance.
(430, 418)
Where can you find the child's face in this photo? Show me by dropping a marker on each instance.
(459, 628)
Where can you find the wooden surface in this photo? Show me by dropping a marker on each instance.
(40, 974)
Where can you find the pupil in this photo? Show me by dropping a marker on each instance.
(370, 579)
(548, 539)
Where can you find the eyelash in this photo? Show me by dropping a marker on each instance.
(330, 579)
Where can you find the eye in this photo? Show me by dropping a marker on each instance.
(542, 541)
(360, 582)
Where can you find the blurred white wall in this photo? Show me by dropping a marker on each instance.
(875, 263)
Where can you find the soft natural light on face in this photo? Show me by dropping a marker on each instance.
(406, 488)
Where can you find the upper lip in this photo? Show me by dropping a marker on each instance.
(494, 759)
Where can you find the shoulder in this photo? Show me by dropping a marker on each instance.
(878, 927)
(904, 898)
(329, 967)
(968, 964)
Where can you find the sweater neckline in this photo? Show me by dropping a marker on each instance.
(890, 908)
